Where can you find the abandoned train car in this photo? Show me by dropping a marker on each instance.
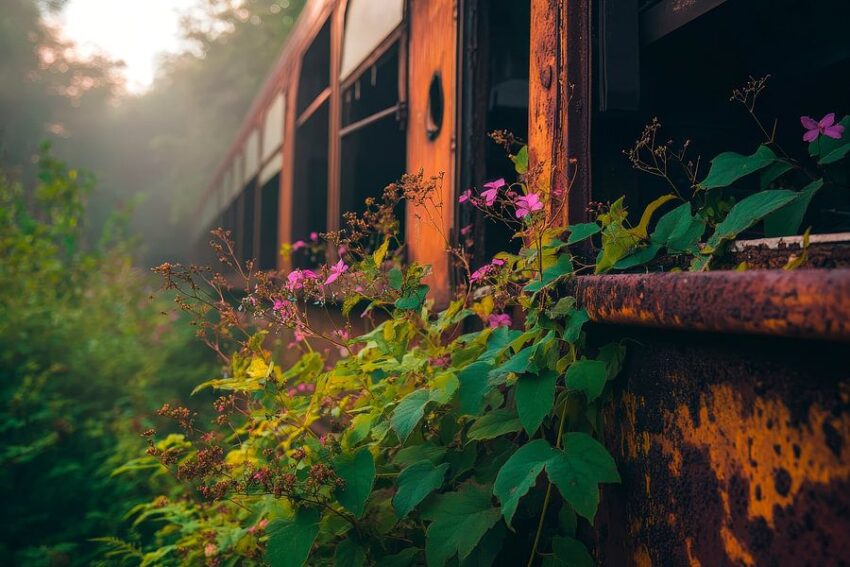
(732, 419)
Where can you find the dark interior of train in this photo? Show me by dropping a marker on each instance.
(373, 142)
(494, 91)
(269, 200)
(686, 78)
(249, 209)
(310, 169)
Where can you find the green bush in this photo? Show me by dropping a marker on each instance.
(84, 352)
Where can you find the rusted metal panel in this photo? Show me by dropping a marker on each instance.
(733, 451)
(560, 104)
(801, 303)
(433, 53)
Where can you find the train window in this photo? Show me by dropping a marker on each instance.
(314, 79)
(269, 199)
(494, 90)
(310, 176)
(689, 63)
(372, 139)
(273, 127)
(367, 24)
(249, 209)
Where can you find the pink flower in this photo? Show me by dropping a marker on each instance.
(492, 191)
(298, 245)
(342, 250)
(336, 270)
(314, 236)
(497, 262)
(825, 126)
(466, 230)
(499, 320)
(465, 196)
(210, 550)
(527, 204)
(480, 273)
(279, 304)
(295, 279)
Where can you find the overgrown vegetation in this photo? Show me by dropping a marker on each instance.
(84, 356)
(406, 434)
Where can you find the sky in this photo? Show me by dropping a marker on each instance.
(133, 31)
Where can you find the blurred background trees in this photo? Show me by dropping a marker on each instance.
(154, 152)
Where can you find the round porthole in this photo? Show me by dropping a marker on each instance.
(435, 107)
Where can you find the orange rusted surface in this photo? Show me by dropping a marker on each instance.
(432, 50)
(733, 451)
(804, 303)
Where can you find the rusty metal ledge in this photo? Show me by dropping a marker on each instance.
(803, 303)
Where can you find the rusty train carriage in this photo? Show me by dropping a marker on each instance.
(732, 416)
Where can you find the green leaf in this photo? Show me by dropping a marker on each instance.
(349, 553)
(578, 471)
(408, 412)
(495, 424)
(535, 395)
(499, 340)
(729, 167)
(518, 363)
(401, 559)
(588, 376)
(290, 540)
(484, 555)
(562, 267)
(519, 474)
(773, 172)
(413, 299)
(641, 230)
(575, 322)
(642, 256)
(678, 230)
(358, 472)
(569, 552)
(381, 253)
(415, 483)
(416, 453)
(787, 220)
(748, 212)
(835, 155)
(521, 160)
(617, 243)
(612, 355)
(564, 307)
(582, 231)
(474, 386)
(395, 278)
(458, 522)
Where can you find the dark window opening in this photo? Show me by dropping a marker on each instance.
(269, 200)
(686, 77)
(373, 91)
(249, 208)
(373, 146)
(315, 69)
(310, 179)
(494, 90)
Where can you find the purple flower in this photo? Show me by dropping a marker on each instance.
(527, 204)
(499, 320)
(480, 273)
(825, 126)
(336, 270)
(492, 191)
(465, 196)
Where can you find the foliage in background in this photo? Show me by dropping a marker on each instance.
(84, 355)
(163, 144)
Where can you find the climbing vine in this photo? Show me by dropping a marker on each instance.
(401, 434)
